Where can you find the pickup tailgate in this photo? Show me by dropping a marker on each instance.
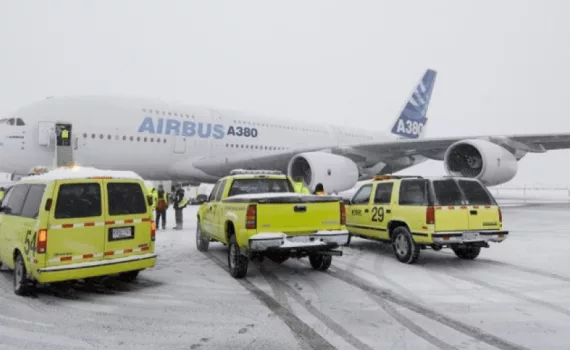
(298, 215)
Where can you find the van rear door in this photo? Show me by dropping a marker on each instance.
(76, 231)
(483, 210)
(127, 219)
(451, 214)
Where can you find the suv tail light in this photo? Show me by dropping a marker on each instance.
(430, 216)
(152, 231)
(42, 241)
(342, 214)
(251, 217)
(500, 215)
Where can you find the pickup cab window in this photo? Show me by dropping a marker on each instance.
(257, 185)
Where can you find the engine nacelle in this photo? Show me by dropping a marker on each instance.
(489, 163)
(336, 173)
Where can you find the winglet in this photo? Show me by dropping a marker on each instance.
(412, 120)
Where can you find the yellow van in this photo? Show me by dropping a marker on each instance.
(76, 223)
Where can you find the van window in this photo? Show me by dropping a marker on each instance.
(363, 195)
(413, 192)
(14, 203)
(125, 198)
(78, 201)
(447, 192)
(475, 193)
(33, 201)
(383, 193)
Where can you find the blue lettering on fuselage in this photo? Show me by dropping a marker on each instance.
(188, 128)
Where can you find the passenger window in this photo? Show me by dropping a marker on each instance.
(447, 192)
(78, 201)
(475, 193)
(125, 198)
(213, 193)
(15, 202)
(383, 193)
(413, 192)
(220, 191)
(33, 201)
(363, 195)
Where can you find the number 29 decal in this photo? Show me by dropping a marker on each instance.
(377, 214)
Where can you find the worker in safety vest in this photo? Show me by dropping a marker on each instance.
(65, 137)
(161, 200)
(299, 187)
(319, 190)
(152, 192)
(180, 202)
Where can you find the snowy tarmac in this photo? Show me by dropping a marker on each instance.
(516, 295)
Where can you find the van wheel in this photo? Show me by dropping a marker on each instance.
(129, 276)
(405, 249)
(21, 282)
(202, 243)
(237, 262)
(467, 252)
(320, 262)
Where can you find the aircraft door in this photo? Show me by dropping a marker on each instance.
(179, 144)
(46, 132)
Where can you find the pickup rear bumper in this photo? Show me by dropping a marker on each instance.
(468, 237)
(281, 241)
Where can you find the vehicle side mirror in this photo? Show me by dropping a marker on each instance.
(347, 201)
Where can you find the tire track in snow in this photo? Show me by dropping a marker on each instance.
(461, 327)
(299, 328)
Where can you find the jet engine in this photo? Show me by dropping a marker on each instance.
(489, 163)
(336, 173)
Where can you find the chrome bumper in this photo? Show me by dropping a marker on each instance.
(468, 237)
(279, 240)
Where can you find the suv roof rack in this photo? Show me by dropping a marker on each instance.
(396, 177)
(255, 172)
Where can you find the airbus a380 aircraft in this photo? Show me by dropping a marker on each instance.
(165, 141)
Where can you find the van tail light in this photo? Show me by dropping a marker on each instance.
(342, 214)
(42, 241)
(152, 231)
(500, 215)
(430, 216)
(251, 217)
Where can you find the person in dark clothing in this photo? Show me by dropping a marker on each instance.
(179, 204)
(319, 190)
(161, 206)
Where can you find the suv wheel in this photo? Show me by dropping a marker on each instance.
(21, 283)
(202, 243)
(237, 262)
(320, 262)
(467, 252)
(405, 249)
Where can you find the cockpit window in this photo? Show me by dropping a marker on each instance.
(19, 121)
(12, 121)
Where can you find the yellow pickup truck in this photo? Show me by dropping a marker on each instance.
(258, 214)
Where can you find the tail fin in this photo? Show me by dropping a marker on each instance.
(412, 120)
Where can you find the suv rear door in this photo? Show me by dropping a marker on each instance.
(451, 212)
(483, 210)
(76, 231)
(127, 219)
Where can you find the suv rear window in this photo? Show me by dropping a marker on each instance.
(447, 192)
(78, 201)
(253, 186)
(125, 198)
(475, 193)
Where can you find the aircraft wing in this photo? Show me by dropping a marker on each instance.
(381, 151)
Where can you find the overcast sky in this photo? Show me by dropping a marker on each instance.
(503, 66)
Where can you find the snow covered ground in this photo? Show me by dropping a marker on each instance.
(516, 295)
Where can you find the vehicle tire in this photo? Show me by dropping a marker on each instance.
(320, 262)
(237, 262)
(405, 249)
(21, 282)
(202, 243)
(129, 276)
(278, 258)
(467, 253)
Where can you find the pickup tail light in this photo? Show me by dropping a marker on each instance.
(152, 231)
(251, 217)
(342, 214)
(430, 216)
(42, 241)
(500, 215)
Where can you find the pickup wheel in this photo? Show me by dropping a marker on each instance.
(21, 282)
(320, 262)
(237, 262)
(202, 243)
(405, 249)
(467, 253)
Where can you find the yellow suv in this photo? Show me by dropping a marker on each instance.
(414, 213)
(75, 223)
